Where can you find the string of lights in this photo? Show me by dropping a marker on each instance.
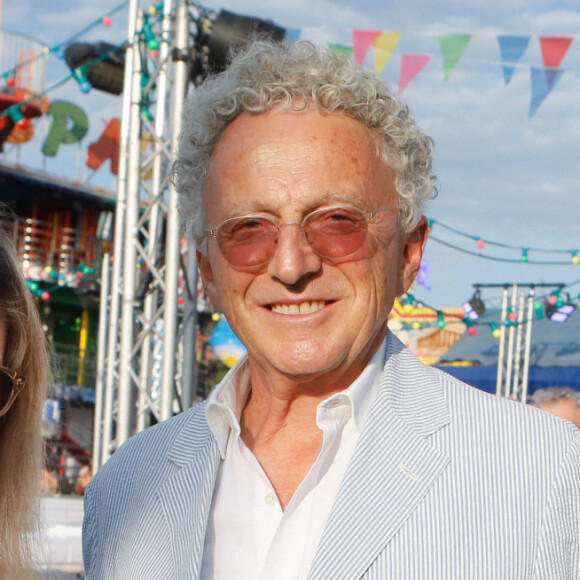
(524, 251)
(523, 260)
(152, 43)
(105, 20)
(79, 73)
(557, 302)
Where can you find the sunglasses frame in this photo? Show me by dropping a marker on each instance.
(367, 215)
(18, 382)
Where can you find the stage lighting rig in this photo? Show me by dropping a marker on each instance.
(558, 307)
(474, 307)
(101, 63)
(218, 34)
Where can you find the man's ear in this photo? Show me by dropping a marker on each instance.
(412, 254)
(208, 278)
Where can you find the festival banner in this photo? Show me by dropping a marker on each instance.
(554, 49)
(543, 81)
(411, 66)
(452, 48)
(511, 49)
(347, 51)
(383, 47)
(362, 40)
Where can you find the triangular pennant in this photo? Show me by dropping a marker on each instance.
(411, 66)
(554, 49)
(341, 49)
(292, 35)
(383, 47)
(452, 47)
(542, 84)
(553, 76)
(511, 49)
(362, 39)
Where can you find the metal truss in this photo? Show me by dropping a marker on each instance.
(514, 345)
(139, 315)
(517, 315)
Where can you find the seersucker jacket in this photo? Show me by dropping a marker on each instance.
(446, 482)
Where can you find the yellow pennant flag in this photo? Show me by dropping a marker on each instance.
(383, 47)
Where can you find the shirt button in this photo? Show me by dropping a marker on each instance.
(270, 499)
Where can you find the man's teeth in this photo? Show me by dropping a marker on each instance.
(303, 308)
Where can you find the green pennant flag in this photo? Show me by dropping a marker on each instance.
(341, 49)
(452, 47)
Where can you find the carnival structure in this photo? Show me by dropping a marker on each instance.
(142, 319)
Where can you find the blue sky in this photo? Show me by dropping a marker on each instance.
(501, 176)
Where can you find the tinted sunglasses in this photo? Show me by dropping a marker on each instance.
(335, 232)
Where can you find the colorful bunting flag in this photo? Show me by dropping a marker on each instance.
(452, 47)
(542, 84)
(511, 49)
(554, 49)
(411, 66)
(341, 49)
(383, 47)
(362, 40)
(292, 35)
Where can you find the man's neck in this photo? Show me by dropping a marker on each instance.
(283, 436)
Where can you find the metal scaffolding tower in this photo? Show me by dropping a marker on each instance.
(517, 315)
(140, 319)
(514, 360)
(139, 295)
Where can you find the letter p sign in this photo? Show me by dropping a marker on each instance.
(69, 125)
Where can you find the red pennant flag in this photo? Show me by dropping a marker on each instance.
(411, 66)
(554, 49)
(362, 39)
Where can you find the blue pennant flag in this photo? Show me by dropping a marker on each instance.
(543, 81)
(511, 48)
(292, 35)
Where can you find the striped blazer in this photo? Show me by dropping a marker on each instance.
(446, 482)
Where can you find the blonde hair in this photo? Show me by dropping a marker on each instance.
(21, 427)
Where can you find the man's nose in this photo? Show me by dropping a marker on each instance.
(294, 257)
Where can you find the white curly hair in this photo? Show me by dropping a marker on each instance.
(268, 75)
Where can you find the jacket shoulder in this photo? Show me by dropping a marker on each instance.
(146, 454)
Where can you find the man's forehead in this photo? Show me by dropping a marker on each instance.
(276, 121)
(304, 159)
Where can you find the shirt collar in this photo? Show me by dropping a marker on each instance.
(226, 402)
(362, 392)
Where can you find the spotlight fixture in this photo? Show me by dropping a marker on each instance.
(475, 307)
(216, 36)
(220, 34)
(560, 314)
(107, 72)
(89, 292)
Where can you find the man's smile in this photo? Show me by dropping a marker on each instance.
(307, 307)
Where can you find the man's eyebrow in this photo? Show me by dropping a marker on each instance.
(257, 205)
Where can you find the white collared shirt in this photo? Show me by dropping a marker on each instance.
(248, 535)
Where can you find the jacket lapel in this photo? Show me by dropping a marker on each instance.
(393, 468)
(187, 494)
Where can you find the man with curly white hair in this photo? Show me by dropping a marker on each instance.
(562, 401)
(329, 452)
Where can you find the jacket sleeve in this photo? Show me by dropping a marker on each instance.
(90, 549)
(558, 554)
